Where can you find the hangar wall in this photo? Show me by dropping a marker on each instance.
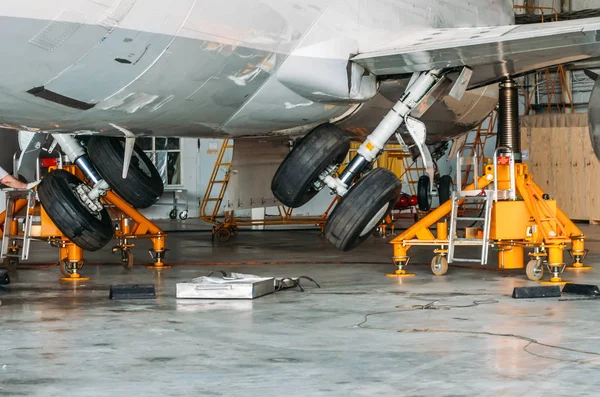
(562, 161)
(198, 157)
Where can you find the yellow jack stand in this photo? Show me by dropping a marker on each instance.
(531, 221)
(578, 266)
(555, 266)
(400, 273)
(132, 225)
(142, 227)
(555, 281)
(578, 253)
(400, 263)
(71, 261)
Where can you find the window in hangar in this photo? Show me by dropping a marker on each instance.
(165, 153)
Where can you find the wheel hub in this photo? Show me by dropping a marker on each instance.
(320, 182)
(93, 205)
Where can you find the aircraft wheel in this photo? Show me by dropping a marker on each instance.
(143, 186)
(362, 209)
(424, 193)
(324, 147)
(89, 230)
(535, 270)
(445, 188)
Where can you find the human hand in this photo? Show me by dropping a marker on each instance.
(32, 185)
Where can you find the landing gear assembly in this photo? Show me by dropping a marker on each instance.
(365, 201)
(318, 155)
(143, 185)
(74, 215)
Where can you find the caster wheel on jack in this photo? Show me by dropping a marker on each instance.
(127, 259)
(535, 270)
(223, 234)
(439, 265)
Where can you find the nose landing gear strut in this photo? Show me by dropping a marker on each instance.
(369, 200)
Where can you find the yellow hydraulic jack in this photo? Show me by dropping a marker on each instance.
(518, 214)
(530, 220)
(131, 225)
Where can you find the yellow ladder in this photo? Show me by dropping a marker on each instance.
(413, 169)
(476, 148)
(216, 179)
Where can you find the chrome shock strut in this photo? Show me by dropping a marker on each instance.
(376, 141)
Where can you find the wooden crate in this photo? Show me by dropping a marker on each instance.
(563, 163)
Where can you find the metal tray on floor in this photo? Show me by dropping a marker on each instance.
(233, 286)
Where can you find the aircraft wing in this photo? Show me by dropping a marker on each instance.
(492, 52)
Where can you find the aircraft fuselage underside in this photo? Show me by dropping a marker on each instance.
(205, 68)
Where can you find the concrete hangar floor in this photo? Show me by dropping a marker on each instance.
(360, 334)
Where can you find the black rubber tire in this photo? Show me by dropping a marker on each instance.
(423, 193)
(346, 225)
(143, 186)
(293, 182)
(70, 216)
(445, 188)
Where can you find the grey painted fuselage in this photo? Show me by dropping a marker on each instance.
(207, 68)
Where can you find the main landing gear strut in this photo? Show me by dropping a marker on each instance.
(366, 199)
(76, 207)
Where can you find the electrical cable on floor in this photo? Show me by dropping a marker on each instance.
(432, 306)
(223, 273)
(429, 306)
(280, 283)
(291, 282)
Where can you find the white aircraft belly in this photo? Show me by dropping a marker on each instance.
(122, 55)
(182, 68)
